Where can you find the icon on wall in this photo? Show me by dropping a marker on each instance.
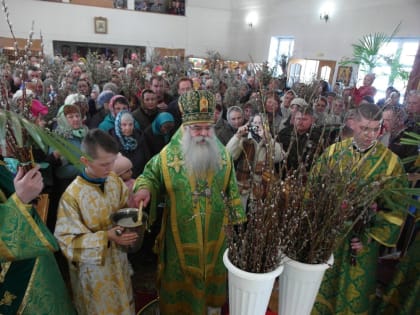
(344, 75)
(101, 25)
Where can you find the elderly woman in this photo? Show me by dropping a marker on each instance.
(80, 101)
(69, 126)
(131, 141)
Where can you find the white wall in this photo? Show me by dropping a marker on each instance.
(313, 37)
(221, 25)
(201, 30)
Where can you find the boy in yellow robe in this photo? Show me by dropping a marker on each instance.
(99, 269)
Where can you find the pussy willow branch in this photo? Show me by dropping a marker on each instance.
(9, 23)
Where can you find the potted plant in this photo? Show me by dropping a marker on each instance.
(253, 258)
(366, 51)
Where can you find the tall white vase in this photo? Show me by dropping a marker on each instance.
(249, 293)
(299, 284)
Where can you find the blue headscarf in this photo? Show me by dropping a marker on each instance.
(160, 120)
(128, 143)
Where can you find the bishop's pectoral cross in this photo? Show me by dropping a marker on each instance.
(201, 190)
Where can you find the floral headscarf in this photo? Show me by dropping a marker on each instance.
(128, 143)
(64, 128)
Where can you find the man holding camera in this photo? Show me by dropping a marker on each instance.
(251, 148)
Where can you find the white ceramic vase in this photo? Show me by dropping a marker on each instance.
(299, 284)
(249, 293)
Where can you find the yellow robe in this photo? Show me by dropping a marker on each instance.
(99, 271)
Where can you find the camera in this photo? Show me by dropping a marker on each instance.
(253, 128)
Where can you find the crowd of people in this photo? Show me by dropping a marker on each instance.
(178, 138)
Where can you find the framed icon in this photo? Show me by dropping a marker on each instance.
(344, 75)
(101, 25)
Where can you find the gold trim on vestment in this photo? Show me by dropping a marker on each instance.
(392, 218)
(3, 197)
(7, 298)
(203, 268)
(28, 288)
(4, 269)
(25, 210)
(378, 162)
(380, 241)
(5, 251)
(320, 299)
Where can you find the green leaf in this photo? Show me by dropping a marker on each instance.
(17, 129)
(35, 134)
(43, 137)
(366, 50)
(409, 159)
(68, 150)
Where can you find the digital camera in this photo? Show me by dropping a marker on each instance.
(253, 128)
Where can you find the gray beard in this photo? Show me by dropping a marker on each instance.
(200, 158)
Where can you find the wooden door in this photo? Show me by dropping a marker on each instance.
(326, 69)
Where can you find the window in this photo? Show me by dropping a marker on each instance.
(402, 50)
(281, 47)
(325, 73)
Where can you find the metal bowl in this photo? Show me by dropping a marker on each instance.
(128, 218)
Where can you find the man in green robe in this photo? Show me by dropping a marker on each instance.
(30, 280)
(402, 294)
(349, 287)
(195, 173)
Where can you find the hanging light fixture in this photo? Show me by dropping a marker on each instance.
(326, 11)
(324, 16)
(251, 19)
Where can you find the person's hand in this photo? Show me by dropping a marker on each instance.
(29, 185)
(142, 195)
(118, 235)
(356, 244)
(242, 131)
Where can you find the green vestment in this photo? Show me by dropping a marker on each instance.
(402, 296)
(30, 281)
(350, 289)
(192, 240)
